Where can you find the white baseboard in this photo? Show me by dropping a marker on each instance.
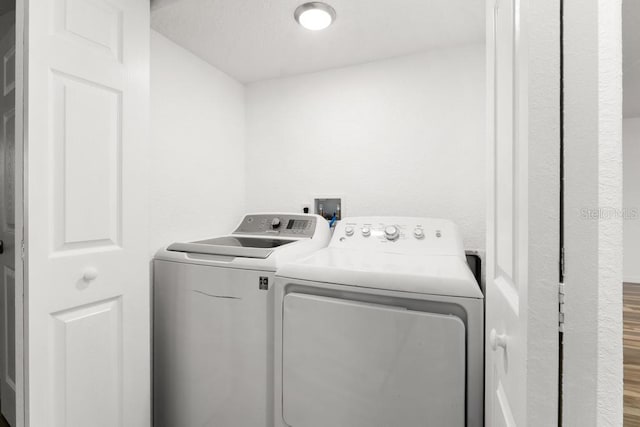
(635, 280)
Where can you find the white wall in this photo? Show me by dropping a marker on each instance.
(197, 146)
(631, 199)
(403, 136)
(592, 368)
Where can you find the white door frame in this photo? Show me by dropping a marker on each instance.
(20, 198)
(523, 212)
(20, 170)
(592, 381)
(592, 371)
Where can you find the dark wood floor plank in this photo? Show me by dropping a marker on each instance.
(631, 335)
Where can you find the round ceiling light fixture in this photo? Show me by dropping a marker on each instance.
(315, 15)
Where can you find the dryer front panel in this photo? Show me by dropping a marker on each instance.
(348, 363)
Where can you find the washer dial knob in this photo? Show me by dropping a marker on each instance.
(349, 230)
(391, 232)
(366, 231)
(275, 223)
(418, 233)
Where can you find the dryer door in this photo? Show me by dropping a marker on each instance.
(355, 364)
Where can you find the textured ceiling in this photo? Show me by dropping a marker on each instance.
(631, 57)
(255, 40)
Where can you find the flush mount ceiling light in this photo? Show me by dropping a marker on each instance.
(315, 15)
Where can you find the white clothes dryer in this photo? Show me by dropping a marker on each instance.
(213, 321)
(384, 327)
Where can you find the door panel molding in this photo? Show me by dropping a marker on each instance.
(88, 360)
(87, 177)
(97, 24)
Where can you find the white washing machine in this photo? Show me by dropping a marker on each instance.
(384, 327)
(213, 321)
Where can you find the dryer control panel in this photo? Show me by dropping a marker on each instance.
(284, 225)
(406, 235)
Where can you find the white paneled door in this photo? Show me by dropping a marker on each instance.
(86, 239)
(505, 326)
(523, 214)
(7, 226)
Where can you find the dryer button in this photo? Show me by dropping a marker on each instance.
(392, 232)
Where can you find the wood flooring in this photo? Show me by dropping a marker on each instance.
(631, 355)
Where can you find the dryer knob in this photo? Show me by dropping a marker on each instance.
(275, 223)
(366, 231)
(391, 232)
(418, 233)
(349, 230)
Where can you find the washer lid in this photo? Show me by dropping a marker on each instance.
(247, 247)
(434, 274)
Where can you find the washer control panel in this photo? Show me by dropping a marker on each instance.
(285, 225)
(399, 234)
